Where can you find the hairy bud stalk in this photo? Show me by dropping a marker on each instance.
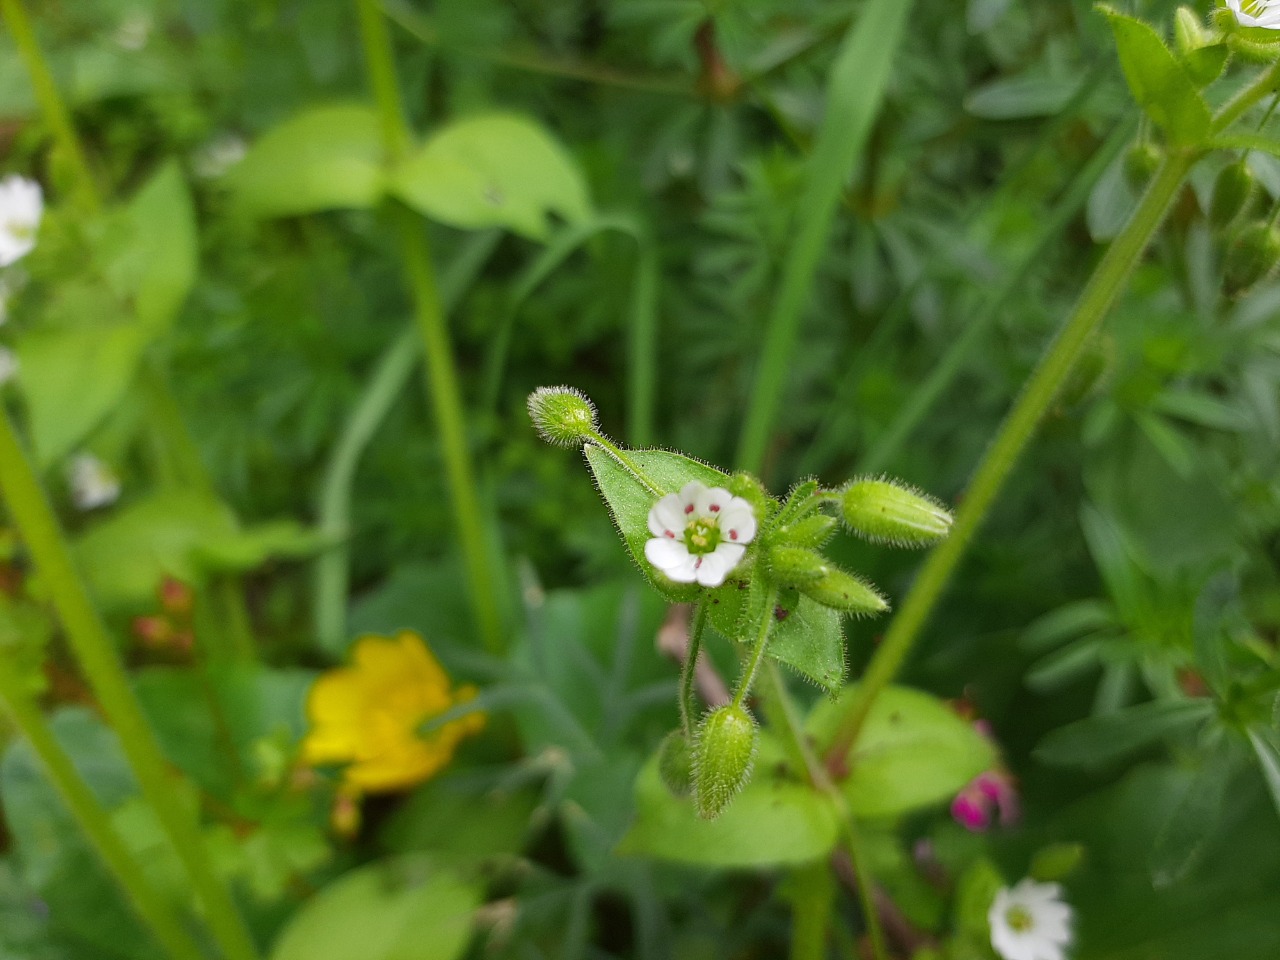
(723, 753)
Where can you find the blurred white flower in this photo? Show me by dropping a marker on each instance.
(134, 31)
(21, 207)
(92, 482)
(8, 366)
(1030, 922)
(218, 156)
(700, 534)
(1256, 13)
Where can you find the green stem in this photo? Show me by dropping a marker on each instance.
(642, 352)
(854, 94)
(93, 820)
(866, 891)
(51, 104)
(757, 652)
(442, 376)
(624, 460)
(811, 901)
(1017, 430)
(96, 652)
(688, 705)
(926, 395)
(1266, 83)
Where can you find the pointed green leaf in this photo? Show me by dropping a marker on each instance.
(629, 501)
(1159, 83)
(497, 170)
(809, 639)
(1266, 746)
(324, 158)
(1098, 740)
(913, 751)
(773, 821)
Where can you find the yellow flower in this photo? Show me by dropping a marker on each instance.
(369, 715)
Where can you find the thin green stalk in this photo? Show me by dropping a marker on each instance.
(642, 352)
(854, 93)
(757, 652)
(380, 62)
(812, 897)
(688, 705)
(866, 891)
(96, 652)
(385, 385)
(923, 398)
(93, 819)
(51, 104)
(1017, 430)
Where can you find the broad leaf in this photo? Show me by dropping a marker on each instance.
(1159, 83)
(913, 751)
(1098, 740)
(774, 821)
(324, 158)
(496, 170)
(72, 379)
(408, 908)
(630, 501)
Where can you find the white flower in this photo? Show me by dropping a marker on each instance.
(1256, 13)
(8, 366)
(21, 206)
(134, 31)
(700, 534)
(218, 156)
(1030, 922)
(92, 482)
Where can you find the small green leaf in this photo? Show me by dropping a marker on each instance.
(913, 752)
(1159, 83)
(773, 821)
(809, 639)
(1032, 94)
(630, 501)
(497, 170)
(1266, 746)
(408, 908)
(324, 158)
(72, 379)
(245, 549)
(1098, 740)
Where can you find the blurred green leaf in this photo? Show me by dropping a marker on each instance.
(406, 908)
(251, 547)
(1158, 81)
(1096, 741)
(494, 170)
(809, 639)
(774, 821)
(913, 752)
(1266, 747)
(460, 823)
(72, 379)
(324, 158)
(1034, 94)
(1182, 838)
(629, 501)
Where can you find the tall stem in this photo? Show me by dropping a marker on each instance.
(1017, 430)
(93, 820)
(442, 376)
(757, 652)
(51, 104)
(811, 902)
(101, 665)
(688, 706)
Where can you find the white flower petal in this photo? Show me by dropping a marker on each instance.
(718, 564)
(21, 207)
(738, 523)
(689, 496)
(712, 501)
(667, 514)
(665, 554)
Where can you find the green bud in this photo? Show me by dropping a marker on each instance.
(884, 511)
(1251, 256)
(1141, 162)
(750, 489)
(675, 763)
(796, 565)
(813, 531)
(563, 416)
(1188, 30)
(845, 592)
(1231, 191)
(1056, 861)
(723, 752)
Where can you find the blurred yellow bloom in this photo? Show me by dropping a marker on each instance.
(369, 715)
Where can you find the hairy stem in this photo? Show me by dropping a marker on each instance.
(757, 652)
(688, 705)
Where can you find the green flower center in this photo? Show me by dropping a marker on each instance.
(702, 535)
(1019, 919)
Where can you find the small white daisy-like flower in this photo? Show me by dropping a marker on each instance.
(1256, 13)
(21, 207)
(8, 366)
(1030, 922)
(699, 534)
(93, 484)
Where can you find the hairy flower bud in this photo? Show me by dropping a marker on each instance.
(845, 592)
(675, 763)
(723, 752)
(1141, 162)
(1252, 255)
(796, 565)
(884, 511)
(813, 531)
(563, 416)
(1231, 191)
